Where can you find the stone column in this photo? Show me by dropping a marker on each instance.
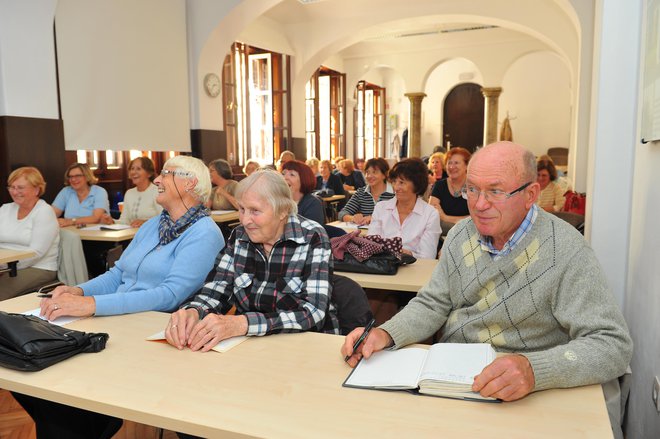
(415, 126)
(492, 95)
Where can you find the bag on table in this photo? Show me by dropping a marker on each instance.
(575, 202)
(29, 343)
(368, 254)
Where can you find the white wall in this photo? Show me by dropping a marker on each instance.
(27, 70)
(536, 92)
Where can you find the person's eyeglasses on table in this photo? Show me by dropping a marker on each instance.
(472, 193)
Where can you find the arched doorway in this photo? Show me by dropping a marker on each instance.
(463, 117)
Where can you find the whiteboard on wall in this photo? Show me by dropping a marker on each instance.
(651, 91)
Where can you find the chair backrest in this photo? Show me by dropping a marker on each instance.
(574, 219)
(71, 265)
(351, 301)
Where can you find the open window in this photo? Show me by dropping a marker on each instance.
(325, 118)
(257, 104)
(369, 121)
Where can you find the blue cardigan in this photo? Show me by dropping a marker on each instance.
(148, 277)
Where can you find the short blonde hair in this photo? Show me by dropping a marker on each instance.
(84, 168)
(250, 162)
(348, 163)
(437, 155)
(32, 175)
(271, 186)
(198, 169)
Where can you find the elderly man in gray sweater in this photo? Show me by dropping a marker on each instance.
(520, 279)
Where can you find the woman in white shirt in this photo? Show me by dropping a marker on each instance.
(29, 223)
(140, 201)
(407, 215)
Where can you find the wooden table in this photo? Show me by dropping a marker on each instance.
(11, 258)
(279, 386)
(409, 277)
(104, 235)
(330, 204)
(225, 216)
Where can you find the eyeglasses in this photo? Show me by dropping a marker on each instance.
(16, 188)
(71, 177)
(176, 173)
(491, 195)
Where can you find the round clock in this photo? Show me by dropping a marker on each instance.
(212, 85)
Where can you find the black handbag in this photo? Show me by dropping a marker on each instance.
(29, 343)
(381, 263)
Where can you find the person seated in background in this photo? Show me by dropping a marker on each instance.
(166, 262)
(275, 270)
(406, 215)
(140, 202)
(360, 165)
(350, 178)
(301, 182)
(446, 194)
(329, 180)
(520, 279)
(361, 205)
(250, 166)
(314, 164)
(80, 201)
(28, 223)
(436, 166)
(335, 163)
(286, 156)
(552, 197)
(222, 195)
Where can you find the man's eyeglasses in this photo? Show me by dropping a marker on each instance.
(491, 195)
(176, 172)
(71, 177)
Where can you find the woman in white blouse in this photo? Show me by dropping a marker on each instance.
(140, 201)
(407, 215)
(29, 223)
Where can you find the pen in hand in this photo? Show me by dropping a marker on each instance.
(46, 295)
(362, 338)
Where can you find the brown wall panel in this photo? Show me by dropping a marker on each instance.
(27, 141)
(208, 145)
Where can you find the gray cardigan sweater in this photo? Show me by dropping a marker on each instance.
(548, 300)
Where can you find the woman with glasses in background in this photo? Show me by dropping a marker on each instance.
(28, 223)
(81, 201)
(140, 201)
(446, 194)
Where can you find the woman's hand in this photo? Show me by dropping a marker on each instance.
(66, 304)
(348, 187)
(137, 223)
(65, 289)
(214, 328)
(180, 326)
(65, 222)
(361, 220)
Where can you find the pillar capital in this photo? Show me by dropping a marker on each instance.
(491, 92)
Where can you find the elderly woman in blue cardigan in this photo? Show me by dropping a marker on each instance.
(167, 260)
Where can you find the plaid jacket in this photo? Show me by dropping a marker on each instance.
(287, 292)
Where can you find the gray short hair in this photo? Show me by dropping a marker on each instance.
(223, 168)
(198, 170)
(272, 187)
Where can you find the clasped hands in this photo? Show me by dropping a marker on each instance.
(186, 329)
(509, 377)
(67, 301)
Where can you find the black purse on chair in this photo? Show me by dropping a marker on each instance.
(29, 343)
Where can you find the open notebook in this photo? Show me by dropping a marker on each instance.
(446, 369)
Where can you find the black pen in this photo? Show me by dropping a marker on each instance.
(47, 295)
(362, 338)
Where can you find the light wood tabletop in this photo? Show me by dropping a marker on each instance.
(224, 216)
(408, 278)
(104, 235)
(8, 256)
(333, 198)
(278, 386)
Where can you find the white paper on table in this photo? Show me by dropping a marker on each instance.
(108, 227)
(223, 346)
(222, 212)
(60, 321)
